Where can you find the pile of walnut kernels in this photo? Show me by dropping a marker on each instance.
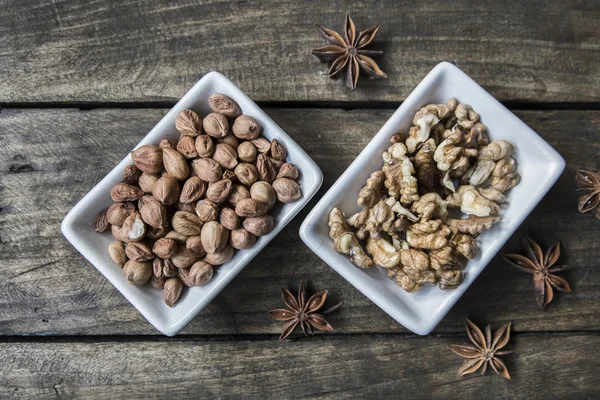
(185, 205)
(445, 162)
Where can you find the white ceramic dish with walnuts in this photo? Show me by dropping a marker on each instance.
(539, 166)
(189, 177)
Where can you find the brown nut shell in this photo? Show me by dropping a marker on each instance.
(116, 251)
(186, 223)
(165, 248)
(264, 192)
(225, 155)
(246, 174)
(153, 212)
(207, 210)
(148, 158)
(278, 152)
(220, 256)
(193, 189)
(214, 236)
(204, 146)
(246, 127)
(137, 273)
(287, 190)
(250, 208)
(262, 145)
(122, 192)
(188, 123)
(118, 213)
(288, 170)
(101, 222)
(216, 125)
(183, 258)
(194, 245)
(238, 192)
(219, 191)
(172, 291)
(266, 168)
(259, 226)
(225, 105)
(200, 273)
(166, 190)
(247, 152)
(175, 164)
(138, 251)
(187, 146)
(131, 174)
(241, 239)
(147, 181)
(207, 169)
(133, 229)
(229, 219)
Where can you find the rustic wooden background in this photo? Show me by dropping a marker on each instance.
(83, 81)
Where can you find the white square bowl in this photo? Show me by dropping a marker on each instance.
(78, 224)
(538, 163)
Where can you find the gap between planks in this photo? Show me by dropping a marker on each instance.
(344, 105)
(263, 337)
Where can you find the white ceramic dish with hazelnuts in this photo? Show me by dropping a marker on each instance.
(197, 199)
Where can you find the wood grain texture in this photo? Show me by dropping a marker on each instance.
(50, 158)
(366, 366)
(142, 50)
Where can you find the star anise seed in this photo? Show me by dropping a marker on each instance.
(543, 269)
(485, 350)
(348, 54)
(303, 312)
(589, 184)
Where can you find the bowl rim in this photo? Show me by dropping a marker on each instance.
(316, 244)
(219, 81)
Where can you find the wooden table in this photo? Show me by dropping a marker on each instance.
(82, 82)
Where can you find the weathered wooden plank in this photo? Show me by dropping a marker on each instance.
(131, 51)
(366, 366)
(50, 158)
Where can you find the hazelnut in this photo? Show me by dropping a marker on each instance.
(131, 174)
(200, 273)
(153, 212)
(214, 236)
(241, 239)
(169, 269)
(287, 190)
(118, 233)
(247, 152)
(118, 213)
(207, 169)
(166, 190)
(229, 174)
(250, 208)
(178, 237)
(229, 219)
(225, 105)
(138, 251)
(288, 170)
(122, 192)
(148, 158)
(225, 155)
(186, 223)
(266, 168)
(238, 192)
(204, 146)
(147, 182)
(167, 144)
(216, 125)
(187, 147)
(230, 140)
(246, 127)
(116, 251)
(262, 145)
(259, 226)
(219, 191)
(175, 164)
(101, 222)
(183, 258)
(165, 248)
(278, 152)
(137, 272)
(172, 291)
(264, 193)
(220, 256)
(133, 229)
(188, 123)
(193, 189)
(194, 245)
(158, 266)
(246, 174)
(207, 210)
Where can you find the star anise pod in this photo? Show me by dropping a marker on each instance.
(485, 350)
(543, 269)
(589, 183)
(348, 54)
(303, 312)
